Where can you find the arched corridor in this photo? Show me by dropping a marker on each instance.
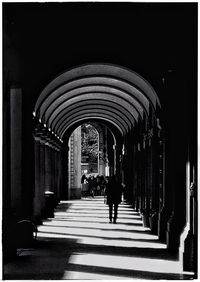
(140, 96)
(137, 131)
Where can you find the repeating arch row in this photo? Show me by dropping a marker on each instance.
(66, 112)
(106, 91)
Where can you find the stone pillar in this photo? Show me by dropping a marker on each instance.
(115, 159)
(156, 172)
(66, 154)
(53, 171)
(176, 126)
(135, 184)
(107, 165)
(166, 205)
(187, 239)
(145, 184)
(75, 164)
(48, 171)
(177, 219)
(102, 149)
(16, 148)
(128, 166)
(56, 164)
(57, 168)
(140, 185)
(42, 176)
(58, 173)
(37, 201)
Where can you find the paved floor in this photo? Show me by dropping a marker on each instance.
(80, 243)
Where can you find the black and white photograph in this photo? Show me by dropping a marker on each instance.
(99, 140)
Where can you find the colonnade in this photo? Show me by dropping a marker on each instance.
(48, 173)
(142, 163)
(161, 184)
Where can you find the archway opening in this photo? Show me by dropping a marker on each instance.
(89, 149)
(91, 154)
(128, 108)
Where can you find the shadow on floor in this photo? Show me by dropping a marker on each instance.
(48, 260)
(126, 273)
(51, 260)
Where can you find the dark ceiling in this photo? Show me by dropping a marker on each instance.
(150, 38)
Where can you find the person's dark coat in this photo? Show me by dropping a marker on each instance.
(83, 178)
(113, 192)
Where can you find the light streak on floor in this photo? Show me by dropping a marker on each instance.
(79, 243)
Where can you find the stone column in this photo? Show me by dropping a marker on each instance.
(145, 189)
(135, 184)
(37, 201)
(53, 188)
(166, 205)
(115, 159)
(48, 171)
(16, 148)
(107, 165)
(177, 219)
(42, 176)
(57, 171)
(176, 132)
(156, 173)
(188, 248)
(75, 164)
(101, 153)
(140, 177)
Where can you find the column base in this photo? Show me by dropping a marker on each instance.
(187, 251)
(75, 193)
(37, 219)
(153, 220)
(163, 217)
(173, 234)
(145, 219)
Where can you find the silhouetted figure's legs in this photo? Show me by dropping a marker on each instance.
(110, 212)
(115, 212)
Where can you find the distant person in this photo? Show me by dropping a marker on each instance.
(98, 188)
(91, 187)
(123, 191)
(102, 185)
(104, 190)
(113, 193)
(83, 178)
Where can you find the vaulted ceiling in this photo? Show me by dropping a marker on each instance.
(101, 92)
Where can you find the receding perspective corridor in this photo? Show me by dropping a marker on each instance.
(99, 112)
(79, 243)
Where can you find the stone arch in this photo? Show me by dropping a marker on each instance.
(113, 86)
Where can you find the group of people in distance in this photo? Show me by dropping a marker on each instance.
(95, 186)
(110, 187)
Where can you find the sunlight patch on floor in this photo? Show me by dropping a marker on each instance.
(97, 233)
(90, 276)
(105, 242)
(126, 263)
(98, 218)
(94, 225)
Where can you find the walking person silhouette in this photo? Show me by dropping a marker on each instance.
(113, 193)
